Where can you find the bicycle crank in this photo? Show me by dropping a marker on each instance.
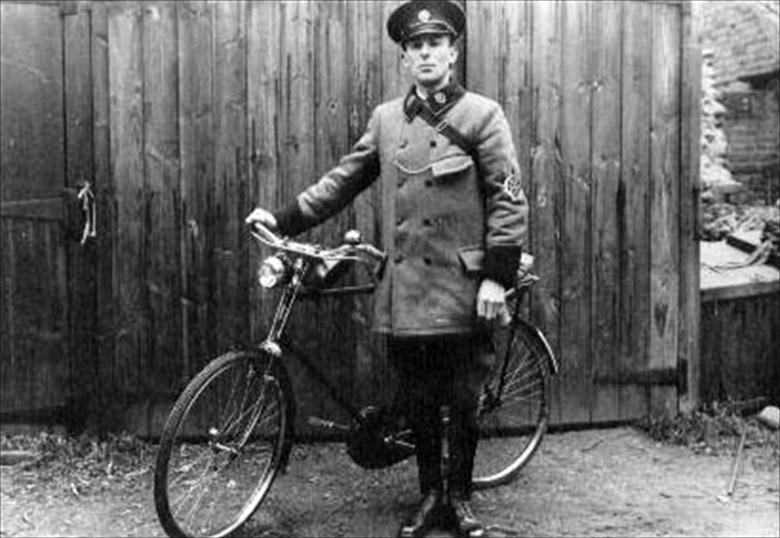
(318, 422)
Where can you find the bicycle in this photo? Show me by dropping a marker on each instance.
(231, 430)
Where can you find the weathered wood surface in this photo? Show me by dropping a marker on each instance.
(726, 273)
(33, 284)
(544, 191)
(739, 343)
(664, 198)
(83, 361)
(131, 329)
(690, 205)
(203, 110)
(606, 171)
(633, 203)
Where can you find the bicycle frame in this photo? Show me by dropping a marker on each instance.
(277, 342)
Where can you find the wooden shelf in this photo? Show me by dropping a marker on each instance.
(722, 278)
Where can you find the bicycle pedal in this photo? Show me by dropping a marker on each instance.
(318, 422)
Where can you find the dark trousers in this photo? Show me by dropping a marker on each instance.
(435, 371)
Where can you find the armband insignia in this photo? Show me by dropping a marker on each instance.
(513, 187)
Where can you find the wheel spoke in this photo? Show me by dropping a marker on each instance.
(227, 430)
(512, 410)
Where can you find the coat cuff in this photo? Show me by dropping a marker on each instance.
(501, 264)
(291, 221)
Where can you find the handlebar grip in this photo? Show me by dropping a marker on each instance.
(372, 251)
(264, 231)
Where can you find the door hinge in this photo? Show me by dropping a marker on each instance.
(675, 377)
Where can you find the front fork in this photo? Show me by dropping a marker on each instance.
(283, 309)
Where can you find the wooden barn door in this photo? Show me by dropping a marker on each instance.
(601, 98)
(45, 150)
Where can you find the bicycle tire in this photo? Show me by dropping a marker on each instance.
(512, 423)
(228, 435)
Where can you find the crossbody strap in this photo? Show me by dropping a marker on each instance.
(448, 131)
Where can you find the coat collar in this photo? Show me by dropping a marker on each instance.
(438, 102)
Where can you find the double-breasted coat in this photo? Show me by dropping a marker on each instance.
(447, 221)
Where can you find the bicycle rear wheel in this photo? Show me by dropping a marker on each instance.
(513, 408)
(222, 445)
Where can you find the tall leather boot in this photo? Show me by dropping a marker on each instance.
(465, 522)
(427, 515)
(464, 443)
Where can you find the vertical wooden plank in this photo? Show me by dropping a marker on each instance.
(263, 95)
(605, 165)
(197, 152)
(395, 80)
(633, 205)
(331, 87)
(690, 127)
(229, 197)
(82, 354)
(297, 95)
(517, 98)
(33, 354)
(298, 170)
(31, 102)
(484, 26)
(366, 30)
(35, 304)
(105, 201)
(664, 201)
(132, 328)
(334, 330)
(162, 195)
(499, 53)
(546, 176)
(576, 215)
(366, 33)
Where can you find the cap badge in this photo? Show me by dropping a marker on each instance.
(439, 98)
(424, 15)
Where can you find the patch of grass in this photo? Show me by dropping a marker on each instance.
(715, 429)
(83, 464)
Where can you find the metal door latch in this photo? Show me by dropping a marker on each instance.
(87, 199)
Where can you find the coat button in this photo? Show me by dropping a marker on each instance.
(429, 183)
(433, 143)
(399, 221)
(427, 260)
(399, 258)
(427, 222)
(402, 144)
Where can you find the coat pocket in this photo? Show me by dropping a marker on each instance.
(472, 259)
(451, 165)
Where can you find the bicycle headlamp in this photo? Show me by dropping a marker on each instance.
(271, 272)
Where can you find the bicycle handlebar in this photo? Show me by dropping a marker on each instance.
(346, 251)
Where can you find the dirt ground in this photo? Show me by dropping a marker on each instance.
(613, 482)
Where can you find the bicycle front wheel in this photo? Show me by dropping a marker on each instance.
(513, 408)
(222, 445)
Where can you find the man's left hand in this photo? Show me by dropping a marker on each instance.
(491, 302)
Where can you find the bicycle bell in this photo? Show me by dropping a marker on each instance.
(352, 237)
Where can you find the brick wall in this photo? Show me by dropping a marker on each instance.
(751, 127)
(743, 37)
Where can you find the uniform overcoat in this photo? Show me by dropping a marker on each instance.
(447, 221)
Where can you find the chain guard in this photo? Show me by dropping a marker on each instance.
(370, 443)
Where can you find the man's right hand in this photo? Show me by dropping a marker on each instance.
(264, 217)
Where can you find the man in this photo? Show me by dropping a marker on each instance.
(454, 218)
